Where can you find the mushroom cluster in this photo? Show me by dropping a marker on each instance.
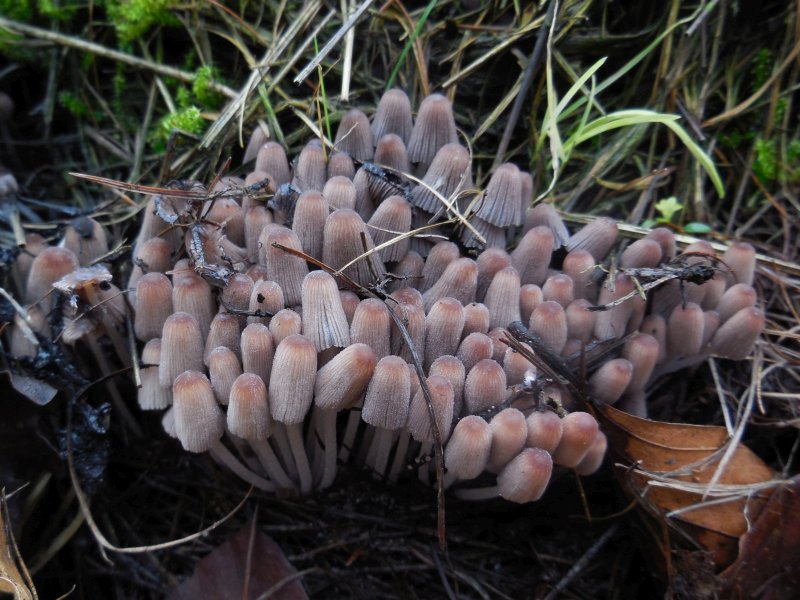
(293, 311)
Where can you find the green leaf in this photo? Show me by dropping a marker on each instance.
(668, 208)
(696, 228)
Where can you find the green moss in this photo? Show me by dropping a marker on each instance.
(762, 68)
(73, 104)
(134, 18)
(17, 10)
(60, 10)
(765, 165)
(186, 119)
(201, 87)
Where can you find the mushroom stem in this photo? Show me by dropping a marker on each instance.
(382, 442)
(222, 455)
(399, 456)
(284, 450)
(326, 423)
(478, 493)
(295, 434)
(268, 459)
(350, 431)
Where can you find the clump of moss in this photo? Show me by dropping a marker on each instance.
(188, 120)
(133, 18)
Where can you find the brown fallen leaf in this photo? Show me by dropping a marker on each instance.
(244, 567)
(768, 566)
(14, 578)
(667, 466)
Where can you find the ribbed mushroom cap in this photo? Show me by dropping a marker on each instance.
(476, 319)
(579, 265)
(685, 330)
(419, 421)
(390, 151)
(609, 381)
(516, 366)
(324, 321)
(310, 214)
(343, 235)
(50, 265)
(341, 382)
(407, 295)
(413, 319)
(340, 192)
(283, 324)
(666, 239)
(594, 457)
(258, 138)
(311, 171)
(544, 430)
(153, 305)
(736, 337)
(151, 395)
(459, 281)
(350, 302)
(468, 449)
(612, 323)
(502, 298)
(474, 348)
(153, 255)
(741, 260)
(440, 256)
(434, 127)
(248, 410)
(272, 159)
(257, 350)
(579, 431)
(597, 238)
(450, 171)
(443, 326)
(734, 299)
(371, 325)
(526, 477)
(549, 322)
(291, 386)
(502, 202)
(224, 331)
(559, 288)
(226, 212)
(236, 296)
(388, 396)
(531, 257)
(267, 299)
(255, 219)
(340, 165)
(656, 326)
(86, 238)
(485, 386)
(452, 369)
(391, 219)
(192, 294)
(490, 262)
(286, 269)
(580, 321)
(199, 422)
(641, 350)
(547, 216)
(641, 253)
(509, 434)
(181, 348)
(393, 116)
(354, 135)
(223, 368)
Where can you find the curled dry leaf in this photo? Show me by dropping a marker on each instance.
(244, 567)
(667, 467)
(769, 554)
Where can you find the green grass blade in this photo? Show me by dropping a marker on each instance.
(409, 43)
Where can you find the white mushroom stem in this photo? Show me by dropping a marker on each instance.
(326, 424)
(268, 459)
(222, 455)
(284, 450)
(382, 443)
(424, 470)
(295, 434)
(349, 438)
(400, 452)
(478, 493)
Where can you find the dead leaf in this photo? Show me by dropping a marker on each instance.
(666, 467)
(243, 568)
(768, 566)
(14, 578)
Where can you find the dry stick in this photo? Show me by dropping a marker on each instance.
(437, 438)
(333, 41)
(530, 69)
(82, 44)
